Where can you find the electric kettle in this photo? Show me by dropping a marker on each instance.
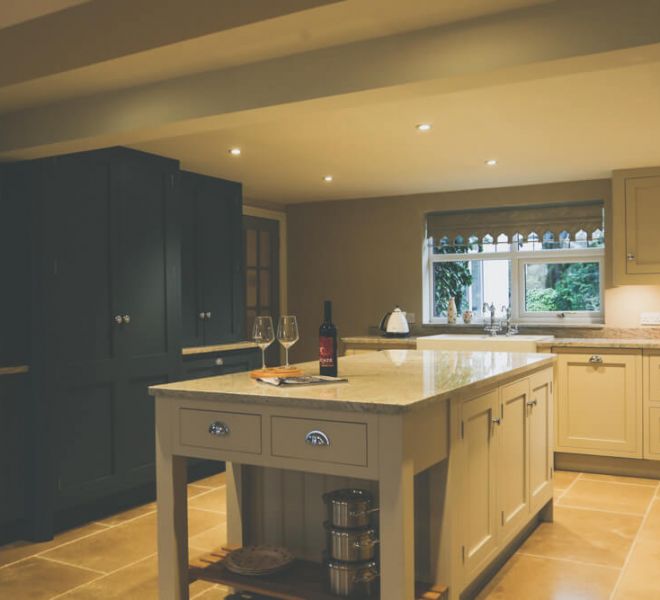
(395, 324)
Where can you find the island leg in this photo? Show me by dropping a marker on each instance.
(234, 478)
(171, 472)
(397, 516)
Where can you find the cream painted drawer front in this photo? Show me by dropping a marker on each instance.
(292, 437)
(237, 432)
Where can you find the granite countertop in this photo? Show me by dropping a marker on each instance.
(218, 348)
(391, 381)
(632, 343)
(14, 370)
(380, 340)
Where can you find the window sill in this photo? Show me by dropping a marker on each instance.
(544, 325)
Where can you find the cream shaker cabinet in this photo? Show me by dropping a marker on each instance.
(635, 222)
(479, 432)
(599, 404)
(652, 407)
(507, 440)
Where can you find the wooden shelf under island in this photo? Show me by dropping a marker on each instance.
(304, 580)
(456, 448)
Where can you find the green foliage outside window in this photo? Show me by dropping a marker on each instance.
(562, 287)
(450, 279)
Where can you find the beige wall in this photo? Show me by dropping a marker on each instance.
(366, 256)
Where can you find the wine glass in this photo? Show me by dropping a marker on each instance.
(287, 334)
(263, 335)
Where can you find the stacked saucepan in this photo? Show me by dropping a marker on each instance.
(351, 543)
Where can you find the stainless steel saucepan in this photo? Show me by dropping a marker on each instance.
(349, 508)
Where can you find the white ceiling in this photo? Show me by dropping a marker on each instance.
(563, 128)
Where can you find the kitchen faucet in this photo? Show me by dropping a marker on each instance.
(493, 327)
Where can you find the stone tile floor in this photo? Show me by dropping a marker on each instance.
(603, 545)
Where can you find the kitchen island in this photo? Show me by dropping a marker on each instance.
(455, 446)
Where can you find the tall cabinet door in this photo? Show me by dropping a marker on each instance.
(480, 436)
(541, 440)
(220, 254)
(81, 345)
(600, 403)
(642, 219)
(147, 249)
(512, 461)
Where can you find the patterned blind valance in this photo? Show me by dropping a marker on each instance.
(556, 218)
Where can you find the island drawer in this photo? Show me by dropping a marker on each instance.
(320, 440)
(220, 430)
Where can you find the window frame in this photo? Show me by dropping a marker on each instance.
(520, 258)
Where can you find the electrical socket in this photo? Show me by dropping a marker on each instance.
(649, 318)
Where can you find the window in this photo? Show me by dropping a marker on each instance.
(542, 274)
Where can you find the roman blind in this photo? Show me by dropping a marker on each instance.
(523, 220)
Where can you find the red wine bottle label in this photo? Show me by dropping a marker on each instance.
(326, 351)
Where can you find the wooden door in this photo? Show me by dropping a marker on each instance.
(148, 254)
(220, 256)
(513, 457)
(479, 509)
(652, 407)
(642, 220)
(262, 289)
(541, 438)
(599, 408)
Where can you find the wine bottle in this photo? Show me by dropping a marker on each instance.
(327, 343)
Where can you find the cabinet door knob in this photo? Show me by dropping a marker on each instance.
(202, 315)
(317, 438)
(126, 319)
(208, 314)
(118, 319)
(532, 403)
(630, 256)
(497, 421)
(596, 360)
(219, 428)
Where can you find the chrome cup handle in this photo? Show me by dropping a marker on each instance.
(317, 438)
(219, 428)
(368, 544)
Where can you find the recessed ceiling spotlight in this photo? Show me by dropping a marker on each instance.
(491, 162)
(235, 151)
(328, 178)
(424, 127)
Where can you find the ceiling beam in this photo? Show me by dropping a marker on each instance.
(542, 41)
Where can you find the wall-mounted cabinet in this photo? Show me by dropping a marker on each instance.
(213, 290)
(635, 223)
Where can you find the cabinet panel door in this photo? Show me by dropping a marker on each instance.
(653, 429)
(480, 491)
(541, 437)
(600, 402)
(220, 236)
(141, 194)
(512, 459)
(654, 379)
(77, 225)
(642, 221)
(13, 446)
(192, 324)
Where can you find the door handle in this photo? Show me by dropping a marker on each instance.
(596, 360)
(532, 403)
(208, 315)
(126, 319)
(496, 421)
(202, 316)
(118, 319)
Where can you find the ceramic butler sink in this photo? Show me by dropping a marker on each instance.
(487, 343)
